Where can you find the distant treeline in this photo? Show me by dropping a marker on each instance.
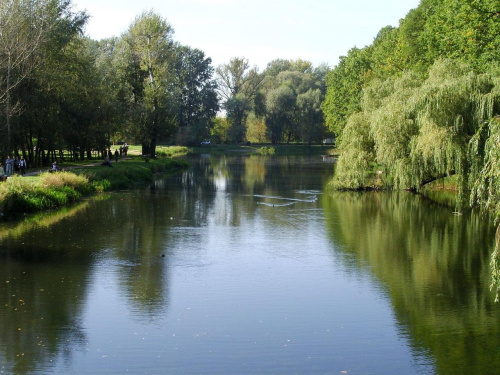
(61, 91)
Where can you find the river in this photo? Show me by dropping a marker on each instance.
(247, 265)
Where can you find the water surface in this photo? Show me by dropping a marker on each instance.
(246, 265)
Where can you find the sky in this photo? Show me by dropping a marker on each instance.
(319, 31)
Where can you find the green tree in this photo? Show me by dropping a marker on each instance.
(419, 130)
(197, 95)
(31, 33)
(344, 87)
(150, 57)
(238, 84)
(280, 105)
(466, 30)
(218, 133)
(310, 116)
(281, 90)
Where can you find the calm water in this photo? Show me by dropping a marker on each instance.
(245, 265)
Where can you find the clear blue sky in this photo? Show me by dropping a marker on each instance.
(319, 31)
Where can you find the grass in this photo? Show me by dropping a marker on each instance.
(21, 195)
(127, 172)
(162, 151)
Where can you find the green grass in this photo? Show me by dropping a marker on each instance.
(20, 195)
(127, 172)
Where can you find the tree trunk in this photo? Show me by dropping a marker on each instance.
(152, 149)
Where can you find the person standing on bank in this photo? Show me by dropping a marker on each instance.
(3, 177)
(22, 165)
(16, 165)
(9, 163)
(117, 154)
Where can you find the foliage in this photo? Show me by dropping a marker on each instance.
(238, 85)
(269, 151)
(344, 86)
(19, 195)
(256, 129)
(61, 179)
(310, 116)
(280, 105)
(197, 97)
(219, 132)
(149, 46)
(422, 102)
(289, 100)
(418, 130)
(36, 36)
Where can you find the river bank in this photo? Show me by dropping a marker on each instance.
(46, 191)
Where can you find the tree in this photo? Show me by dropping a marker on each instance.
(344, 87)
(238, 85)
(30, 31)
(196, 93)
(310, 115)
(280, 106)
(277, 101)
(419, 130)
(150, 53)
(466, 30)
(218, 132)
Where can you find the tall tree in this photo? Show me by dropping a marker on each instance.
(286, 81)
(196, 94)
(238, 85)
(150, 52)
(280, 105)
(345, 84)
(310, 115)
(30, 31)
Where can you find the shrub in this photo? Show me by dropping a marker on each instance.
(269, 151)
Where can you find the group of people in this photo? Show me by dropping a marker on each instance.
(12, 166)
(108, 155)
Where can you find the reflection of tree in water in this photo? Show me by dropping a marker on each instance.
(41, 303)
(206, 185)
(135, 226)
(435, 267)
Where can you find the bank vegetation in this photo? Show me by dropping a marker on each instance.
(422, 103)
(51, 190)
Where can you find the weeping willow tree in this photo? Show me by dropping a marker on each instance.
(418, 129)
(485, 190)
(414, 129)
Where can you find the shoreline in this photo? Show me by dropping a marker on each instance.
(41, 191)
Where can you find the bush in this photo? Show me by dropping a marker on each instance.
(268, 151)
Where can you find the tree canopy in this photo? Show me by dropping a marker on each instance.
(422, 103)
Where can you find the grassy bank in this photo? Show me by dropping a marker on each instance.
(127, 172)
(21, 195)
